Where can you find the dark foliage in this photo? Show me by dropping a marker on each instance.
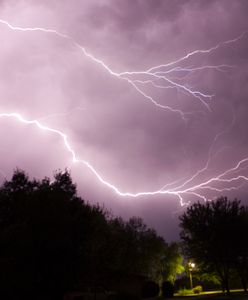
(150, 289)
(43, 228)
(52, 242)
(215, 236)
(167, 289)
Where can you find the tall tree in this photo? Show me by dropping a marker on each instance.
(172, 263)
(137, 248)
(44, 232)
(209, 232)
(51, 240)
(241, 248)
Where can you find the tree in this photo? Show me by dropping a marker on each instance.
(147, 246)
(210, 232)
(51, 241)
(137, 249)
(172, 263)
(241, 249)
(45, 229)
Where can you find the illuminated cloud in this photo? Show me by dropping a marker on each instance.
(149, 99)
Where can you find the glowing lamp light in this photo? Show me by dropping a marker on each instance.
(191, 268)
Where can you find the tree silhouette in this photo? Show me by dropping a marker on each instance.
(137, 249)
(44, 231)
(52, 242)
(172, 263)
(211, 235)
(241, 249)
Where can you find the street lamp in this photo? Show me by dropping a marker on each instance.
(191, 268)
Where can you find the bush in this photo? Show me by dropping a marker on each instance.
(197, 289)
(150, 289)
(167, 289)
(184, 292)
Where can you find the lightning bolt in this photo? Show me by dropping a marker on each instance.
(164, 76)
(156, 73)
(178, 191)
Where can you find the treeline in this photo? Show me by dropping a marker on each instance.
(215, 237)
(51, 241)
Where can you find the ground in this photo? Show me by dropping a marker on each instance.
(235, 295)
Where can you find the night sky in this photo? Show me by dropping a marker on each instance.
(144, 101)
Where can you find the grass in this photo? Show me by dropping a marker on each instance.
(218, 295)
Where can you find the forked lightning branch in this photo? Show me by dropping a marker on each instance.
(162, 76)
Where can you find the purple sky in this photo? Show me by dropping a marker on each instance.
(138, 101)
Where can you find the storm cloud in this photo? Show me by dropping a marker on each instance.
(134, 144)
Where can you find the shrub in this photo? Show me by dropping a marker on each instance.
(167, 289)
(184, 292)
(150, 289)
(197, 289)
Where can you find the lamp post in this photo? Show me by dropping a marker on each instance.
(191, 268)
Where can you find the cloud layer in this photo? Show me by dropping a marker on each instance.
(133, 143)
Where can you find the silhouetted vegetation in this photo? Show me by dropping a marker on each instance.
(43, 228)
(167, 289)
(215, 235)
(52, 241)
(150, 289)
(172, 263)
